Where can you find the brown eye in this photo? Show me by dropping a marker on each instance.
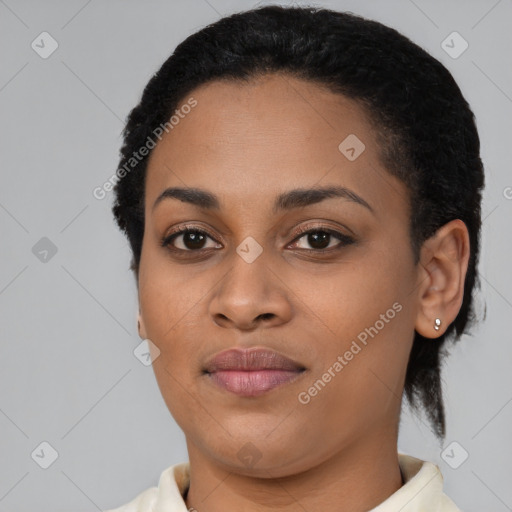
(322, 239)
(319, 239)
(188, 240)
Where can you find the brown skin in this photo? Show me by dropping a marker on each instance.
(247, 143)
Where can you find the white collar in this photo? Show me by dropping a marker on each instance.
(422, 490)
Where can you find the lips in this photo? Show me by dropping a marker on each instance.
(251, 360)
(251, 372)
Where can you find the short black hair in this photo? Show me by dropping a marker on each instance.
(426, 130)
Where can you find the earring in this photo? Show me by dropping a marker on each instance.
(437, 324)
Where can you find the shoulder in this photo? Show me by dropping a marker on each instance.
(168, 496)
(143, 502)
(422, 489)
(447, 505)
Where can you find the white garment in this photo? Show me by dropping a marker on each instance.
(421, 492)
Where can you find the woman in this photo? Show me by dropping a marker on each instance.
(301, 191)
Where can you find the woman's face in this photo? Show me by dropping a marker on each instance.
(339, 301)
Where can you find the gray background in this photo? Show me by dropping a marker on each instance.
(68, 375)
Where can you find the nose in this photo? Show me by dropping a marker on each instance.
(251, 295)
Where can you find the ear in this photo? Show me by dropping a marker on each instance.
(141, 327)
(441, 274)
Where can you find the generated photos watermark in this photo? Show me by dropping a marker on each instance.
(355, 348)
(100, 192)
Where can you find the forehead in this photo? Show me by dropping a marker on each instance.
(250, 140)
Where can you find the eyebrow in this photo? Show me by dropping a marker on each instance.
(296, 198)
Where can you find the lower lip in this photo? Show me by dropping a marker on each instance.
(252, 383)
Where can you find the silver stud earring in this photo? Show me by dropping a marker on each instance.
(437, 324)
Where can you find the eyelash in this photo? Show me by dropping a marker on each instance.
(344, 239)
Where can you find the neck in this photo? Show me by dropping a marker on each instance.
(357, 478)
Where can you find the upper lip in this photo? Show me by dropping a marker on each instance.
(250, 359)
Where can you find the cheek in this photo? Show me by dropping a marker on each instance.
(352, 296)
(170, 307)
(170, 304)
(360, 378)
(364, 315)
(161, 288)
